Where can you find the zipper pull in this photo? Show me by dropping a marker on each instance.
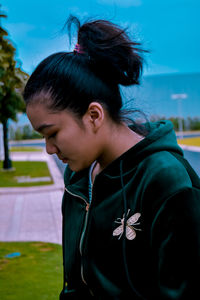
(87, 206)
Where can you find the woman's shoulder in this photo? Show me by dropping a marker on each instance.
(166, 169)
(167, 178)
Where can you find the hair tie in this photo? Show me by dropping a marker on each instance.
(78, 48)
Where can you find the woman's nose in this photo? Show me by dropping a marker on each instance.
(51, 148)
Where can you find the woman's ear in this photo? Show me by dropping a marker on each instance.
(95, 115)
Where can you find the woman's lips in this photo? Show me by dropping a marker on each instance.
(64, 160)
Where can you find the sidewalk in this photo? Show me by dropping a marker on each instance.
(33, 213)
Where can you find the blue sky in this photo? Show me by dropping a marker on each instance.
(169, 29)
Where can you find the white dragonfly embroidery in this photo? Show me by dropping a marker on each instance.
(130, 229)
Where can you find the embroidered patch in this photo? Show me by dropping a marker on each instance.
(130, 229)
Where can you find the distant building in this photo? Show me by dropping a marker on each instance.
(169, 95)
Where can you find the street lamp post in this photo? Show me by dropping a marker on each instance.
(179, 98)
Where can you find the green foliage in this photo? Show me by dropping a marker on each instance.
(23, 133)
(35, 275)
(12, 80)
(194, 123)
(188, 123)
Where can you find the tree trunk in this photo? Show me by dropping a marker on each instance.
(7, 164)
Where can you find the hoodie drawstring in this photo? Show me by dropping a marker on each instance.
(124, 234)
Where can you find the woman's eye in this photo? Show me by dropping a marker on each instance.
(52, 135)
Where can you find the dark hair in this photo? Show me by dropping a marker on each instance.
(72, 80)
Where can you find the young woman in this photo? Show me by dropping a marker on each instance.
(131, 206)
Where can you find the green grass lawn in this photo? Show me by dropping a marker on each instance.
(26, 149)
(195, 141)
(24, 168)
(35, 275)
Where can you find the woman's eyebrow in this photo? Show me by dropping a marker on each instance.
(43, 126)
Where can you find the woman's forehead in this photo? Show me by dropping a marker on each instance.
(42, 116)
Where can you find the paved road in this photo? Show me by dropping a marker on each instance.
(188, 135)
(194, 159)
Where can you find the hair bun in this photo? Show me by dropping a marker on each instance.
(113, 56)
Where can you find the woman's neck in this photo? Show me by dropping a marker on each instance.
(119, 140)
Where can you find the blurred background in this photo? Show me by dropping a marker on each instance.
(31, 182)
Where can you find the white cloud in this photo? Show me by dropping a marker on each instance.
(122, 3)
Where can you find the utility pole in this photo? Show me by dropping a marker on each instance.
(179, 98)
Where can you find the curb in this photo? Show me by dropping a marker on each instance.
(31, 189)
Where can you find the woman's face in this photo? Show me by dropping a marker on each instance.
(73, 141)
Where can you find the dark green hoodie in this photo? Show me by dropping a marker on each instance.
(152, 192)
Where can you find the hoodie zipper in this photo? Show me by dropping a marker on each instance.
(81, 242)
(84, 228)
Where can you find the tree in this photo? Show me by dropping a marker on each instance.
(12, 80)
